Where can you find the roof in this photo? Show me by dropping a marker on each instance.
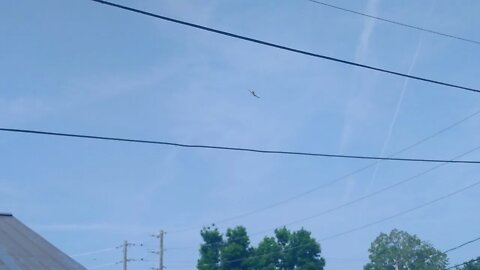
(23, 249)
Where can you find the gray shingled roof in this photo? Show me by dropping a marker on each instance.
(23, 249)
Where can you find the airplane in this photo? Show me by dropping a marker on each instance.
(253, 93)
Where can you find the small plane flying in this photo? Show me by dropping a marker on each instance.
(253, 93)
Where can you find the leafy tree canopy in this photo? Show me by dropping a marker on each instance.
(236, 252)
(210, 249)
(399, 250)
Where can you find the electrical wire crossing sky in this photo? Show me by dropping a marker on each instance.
(228, 148)
(413, 27)
(269, 44)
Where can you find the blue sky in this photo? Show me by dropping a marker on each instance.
(81, 67)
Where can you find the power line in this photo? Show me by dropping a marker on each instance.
(232, 35)
(402, 212)
(359, 199)
(372, 194)
(396, 22)
(333, 181)
(462, 264)
(228, 148)
(462, 245)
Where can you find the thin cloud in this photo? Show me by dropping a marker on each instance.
(356, 106)
(362, 49)
(98, 251)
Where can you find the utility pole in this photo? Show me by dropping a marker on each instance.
(125, 258)
(161, 250)
(125, 245)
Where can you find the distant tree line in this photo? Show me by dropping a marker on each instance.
(298, 250)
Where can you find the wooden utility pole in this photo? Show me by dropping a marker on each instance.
(160, 267)
(160, 250)
(125, 245)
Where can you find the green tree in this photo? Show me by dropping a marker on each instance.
(210, 249)
(236, 251)
(303, 252)
(268, 255)
(402, 251)
(471, 265)
(289, 250)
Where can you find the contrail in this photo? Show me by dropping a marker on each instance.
(397, 111)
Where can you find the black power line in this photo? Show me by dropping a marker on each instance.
(395, 22)
(462, 264)
(462, 245)
(359, 199)
(228, 148)
(369, 195)
(335, 180)
(403, 212)
(285, 47)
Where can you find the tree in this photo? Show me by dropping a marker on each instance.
(285, 251)
(298, 250)
(471, 265)
(402, 251)
(236, 251)
(210, 250)
(288, 250)
(267, 256)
